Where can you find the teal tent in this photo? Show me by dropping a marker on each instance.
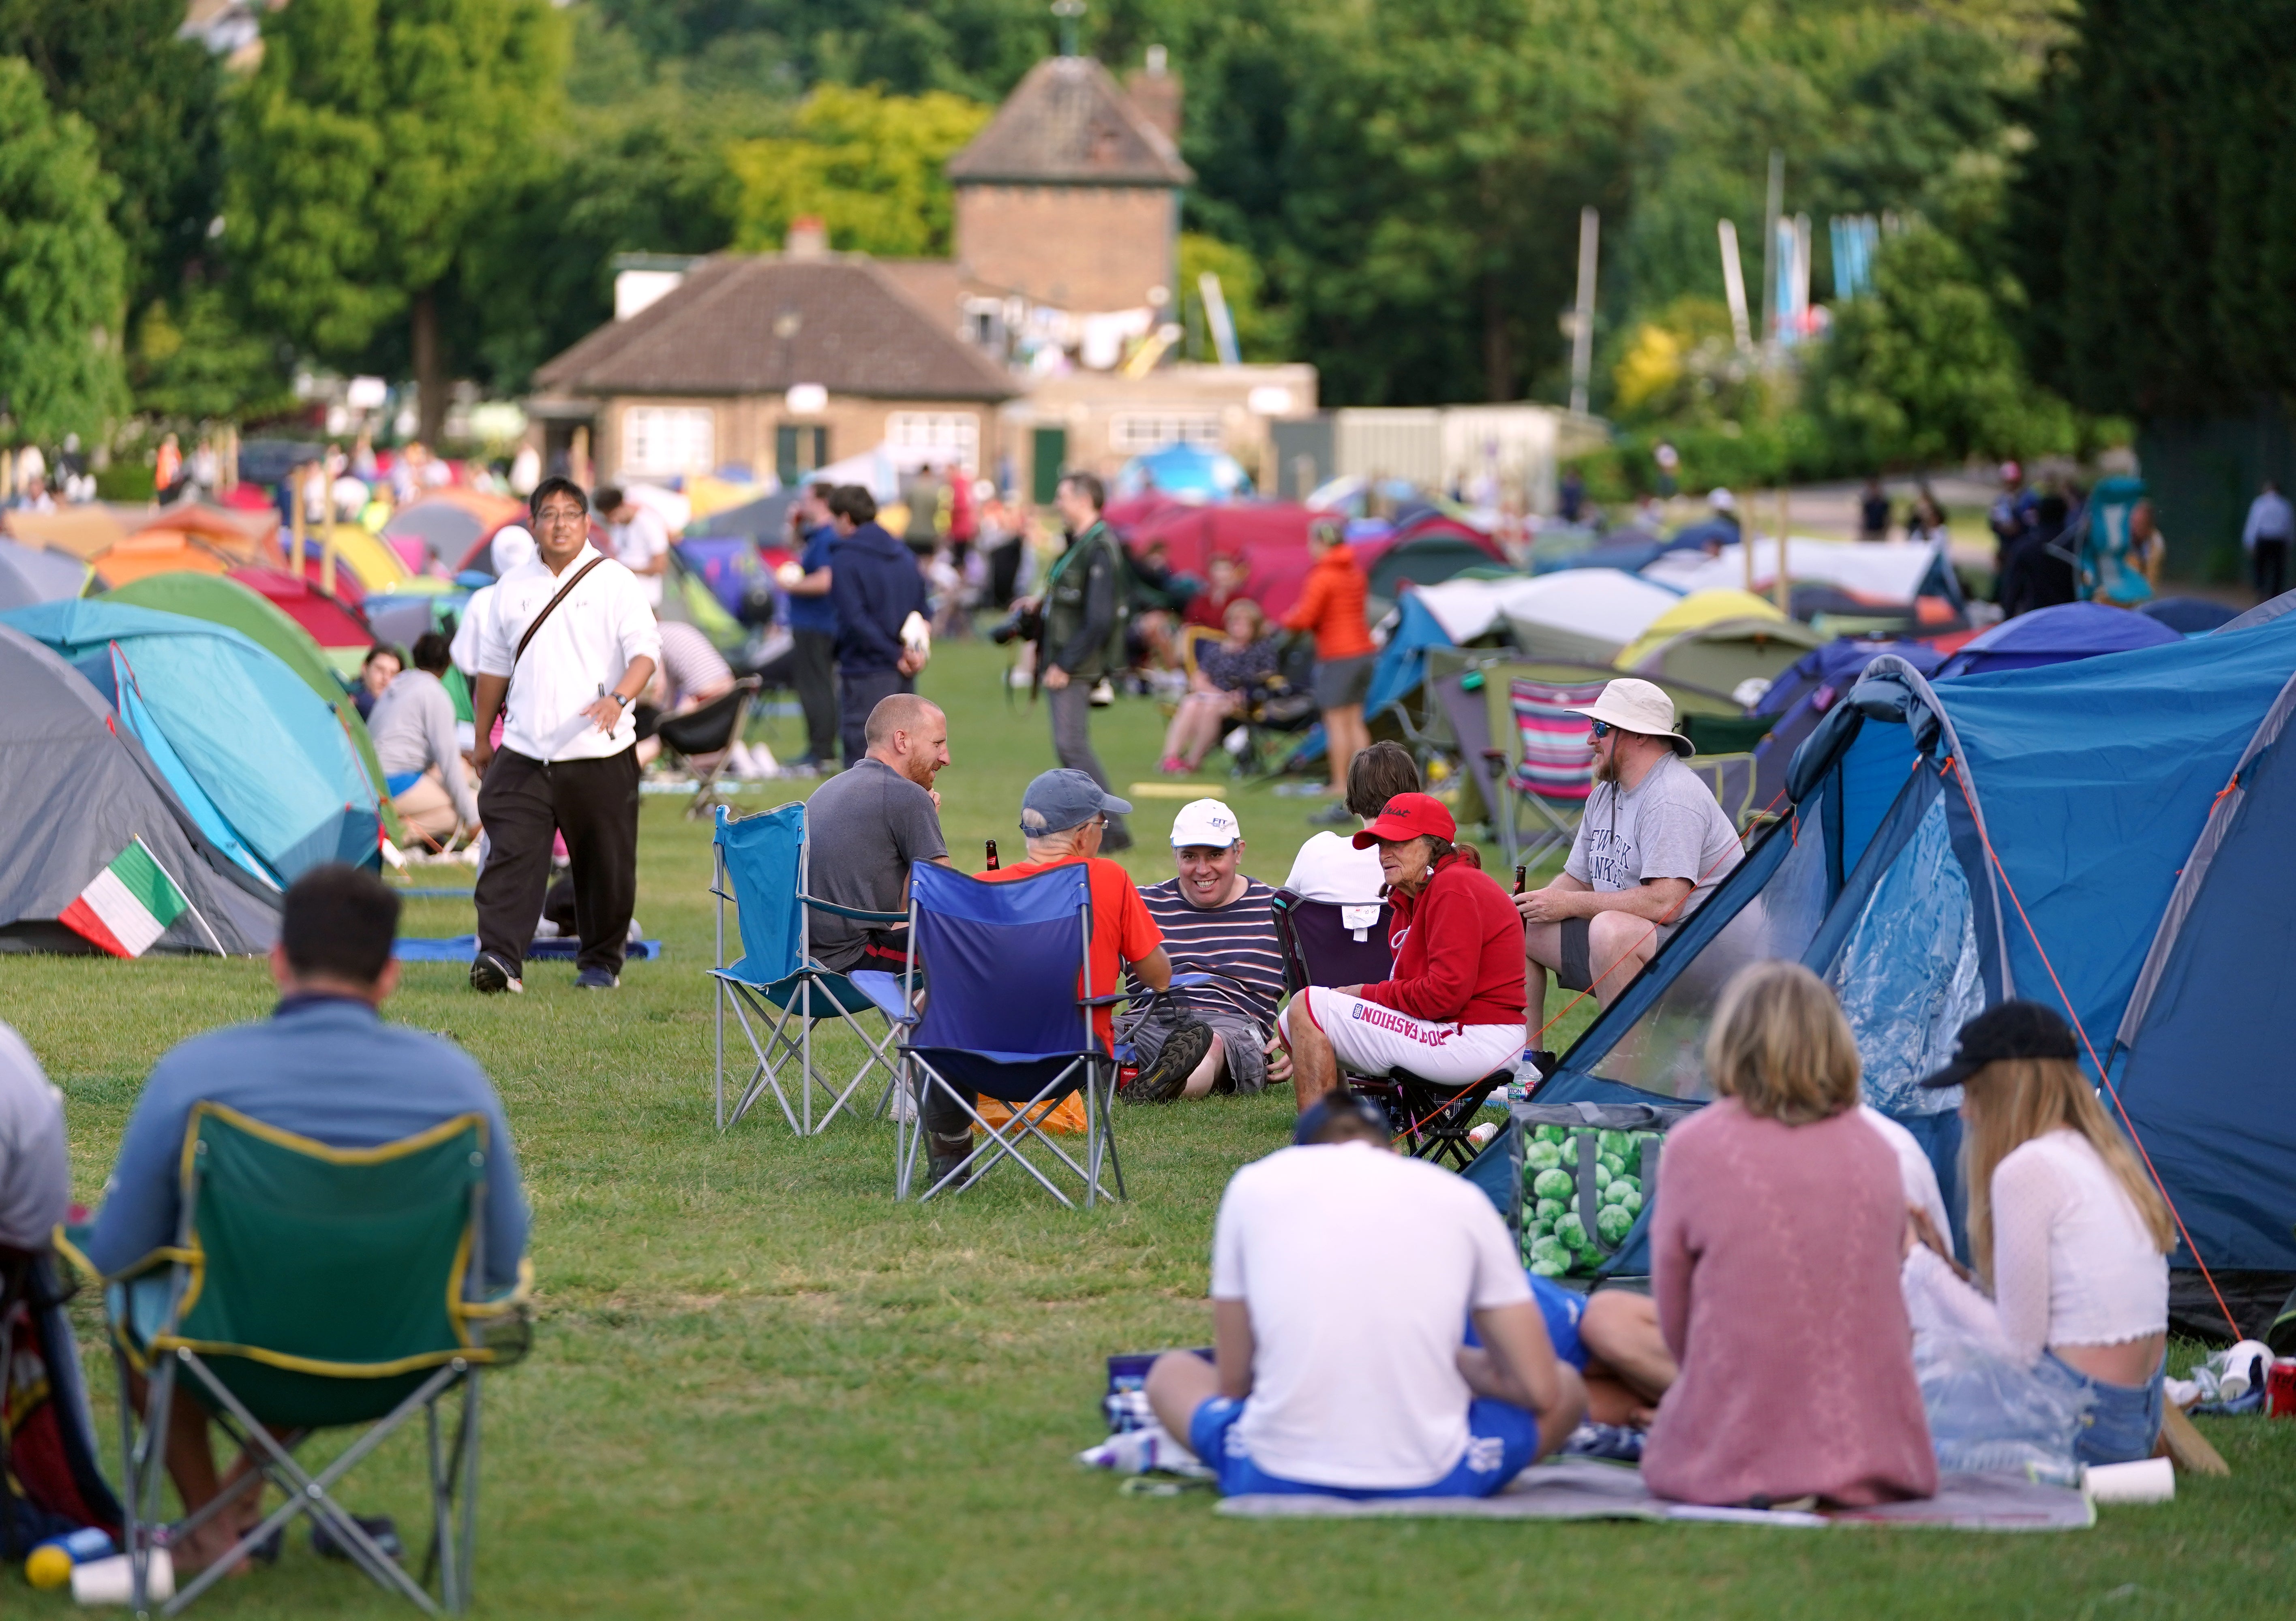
(263, 765)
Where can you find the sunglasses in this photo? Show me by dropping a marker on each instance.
(1597, 730)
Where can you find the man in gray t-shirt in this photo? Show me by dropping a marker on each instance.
(1651, 848)
(866, 825)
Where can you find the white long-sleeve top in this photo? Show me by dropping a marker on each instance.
(2270, 518)
(2072, 1262)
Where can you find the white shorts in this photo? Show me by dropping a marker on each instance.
(1370, 1039)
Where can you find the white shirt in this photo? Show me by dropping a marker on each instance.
(2270, 518)
(581, 650)
(1329, 868)
(1914, 1169)
(1358, 1267)
(637, 544)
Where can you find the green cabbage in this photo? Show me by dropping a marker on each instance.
(1551, 1184)
(1571, 1230)
(1542, 1157)
(1547, 1209)
(1613, 1223)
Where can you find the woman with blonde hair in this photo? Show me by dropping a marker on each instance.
(1775, 1244)
(1225, 669)
(2064, 1225)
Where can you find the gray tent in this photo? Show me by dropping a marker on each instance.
(73, 792)
(30, 575)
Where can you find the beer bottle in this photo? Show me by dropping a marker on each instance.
(992, 856)
(1521, 873)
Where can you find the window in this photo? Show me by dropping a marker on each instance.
(1134, 433)
(938, 436)
(669, 439)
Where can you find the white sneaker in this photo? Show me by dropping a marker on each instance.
(904, 1107)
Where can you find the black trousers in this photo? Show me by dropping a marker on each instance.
(858, 692)
(814, 669)
(2271, 565)
(595, 803)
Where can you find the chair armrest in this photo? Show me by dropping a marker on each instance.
(70, 1236)
(886, 991)
(854, 912)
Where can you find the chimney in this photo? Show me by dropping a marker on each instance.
(809, 238)
(1155, 92)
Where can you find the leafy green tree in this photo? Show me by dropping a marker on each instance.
(1923, 371)
(153, 100)
(1262, 331)
(868, 164)
(375, 139)
(62, 269)
(194, 361)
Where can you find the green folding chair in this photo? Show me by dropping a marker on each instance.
(312, 1288)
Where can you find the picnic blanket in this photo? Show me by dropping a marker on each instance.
(463, 947)
(1584, 1489)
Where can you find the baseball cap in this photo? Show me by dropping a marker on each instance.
(2014, 1029)
(514, 547)
(1059, 800)
(1205, 822)
(1337, 1104)
(1637, 706)
(1410, 816)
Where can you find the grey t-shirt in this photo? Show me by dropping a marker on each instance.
(34, 1169)
(865, 824)
(1669, 827)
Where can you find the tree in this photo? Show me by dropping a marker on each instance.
(153, 100)
(193, 362)
(1262, 331)
(1923, 371)
(868, 164)
(372, 142)
(62, 269)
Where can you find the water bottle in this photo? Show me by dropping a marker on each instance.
(50, 1562)
(992, 856)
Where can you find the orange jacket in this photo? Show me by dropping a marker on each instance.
(1332, 605)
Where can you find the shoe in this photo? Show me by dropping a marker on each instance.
(381, 1530)
(597, 980)
(1163, 1080)
(490, 975)
(938, 1170)
(1615, 1442)
(1172, 765)
(1103, 693)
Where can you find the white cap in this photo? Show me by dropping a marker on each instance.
(1205, 822)
(1721, 500)
(513, 548)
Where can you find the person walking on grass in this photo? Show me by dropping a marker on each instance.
(567, 646)
(1332, 606)
(1082, 641)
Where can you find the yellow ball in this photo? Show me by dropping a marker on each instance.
(49, 1566)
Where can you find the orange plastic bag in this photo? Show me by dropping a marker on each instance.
(1065, 1116)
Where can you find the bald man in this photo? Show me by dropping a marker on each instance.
(866, 825)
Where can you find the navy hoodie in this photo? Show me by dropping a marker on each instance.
(875, 581)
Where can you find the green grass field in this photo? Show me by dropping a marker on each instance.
(761, 1388)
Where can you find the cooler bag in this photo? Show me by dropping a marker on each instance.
(1584, 1177)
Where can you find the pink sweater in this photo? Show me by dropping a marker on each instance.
(1774, 1255)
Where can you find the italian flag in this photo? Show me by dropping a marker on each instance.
(128, 906)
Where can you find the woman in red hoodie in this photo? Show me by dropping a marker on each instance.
(1452, 1011)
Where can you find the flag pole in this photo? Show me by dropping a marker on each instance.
(189, 905)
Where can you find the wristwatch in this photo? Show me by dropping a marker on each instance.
(620, 698)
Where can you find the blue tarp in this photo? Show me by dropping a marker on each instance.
(1403, 663)
(2052, 636)
(272, 759)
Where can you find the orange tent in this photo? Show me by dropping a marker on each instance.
(156, 552)
(82, 531)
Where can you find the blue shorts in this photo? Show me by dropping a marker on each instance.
(1502, 1442)
(1562, 1309)
(2123, 1423)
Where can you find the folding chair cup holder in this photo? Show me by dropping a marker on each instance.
(312, 1288)
(1006, 963)
(713, 728)
(777, 990)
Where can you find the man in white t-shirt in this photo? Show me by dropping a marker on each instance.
(1343, 1279)
(1651, 848)
(641, 540)
(1329, 867)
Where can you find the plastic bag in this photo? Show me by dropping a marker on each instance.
(1990, 1412)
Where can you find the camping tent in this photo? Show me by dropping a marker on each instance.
(1429, 551)
(1590, 615)
(76, 790)
(2052, 636)
(444, 524)
(1719, 639)
(1798, 699)
(157, 552)
(362, 555)
(1891, 574)
(340, 631)
(32, 574)
(1184, 471)
(2100, 835)
(264, 765)
(2189, 616)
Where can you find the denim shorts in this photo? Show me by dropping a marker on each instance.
(1502, 1442)
(2122, 1424)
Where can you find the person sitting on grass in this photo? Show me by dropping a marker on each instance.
(1225, 671)
(414, 730)
(1650, 849)
(1342, 1274)
(2063, 1223)
(323, 1066)
(1216, 921)
(1063, 816)
(865, 827)
(1776, 1240)
(1452, 1014)
(377, 671)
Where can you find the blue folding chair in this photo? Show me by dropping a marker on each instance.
(775, 985)
(1002, 966)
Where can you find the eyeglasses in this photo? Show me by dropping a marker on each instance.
(561, 514)
(1597, 730)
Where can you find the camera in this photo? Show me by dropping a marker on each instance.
(1024, 623)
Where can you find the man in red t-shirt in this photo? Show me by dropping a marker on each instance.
(1332, 605)
(1062, 816)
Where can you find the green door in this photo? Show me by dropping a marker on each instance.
(799, 450)
(1050, 455)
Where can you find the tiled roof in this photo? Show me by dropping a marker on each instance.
(758, 325)
(1069, 123)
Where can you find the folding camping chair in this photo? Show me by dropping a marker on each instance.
(1553, 766)
(1330, 944)
(776, 981)
(714, 728)
(314, 1288)
(1002, 1018)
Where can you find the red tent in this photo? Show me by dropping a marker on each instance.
(1271, 537)
(331, 623)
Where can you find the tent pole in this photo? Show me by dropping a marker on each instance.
(295, 532)
(327, 549)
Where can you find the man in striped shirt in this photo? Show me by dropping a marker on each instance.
(1217, 922)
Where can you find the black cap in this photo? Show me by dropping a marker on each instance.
(1339, 1104)
(2014, 1029)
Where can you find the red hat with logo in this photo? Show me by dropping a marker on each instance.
(1410, 816)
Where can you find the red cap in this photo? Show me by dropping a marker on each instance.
(1410, 816)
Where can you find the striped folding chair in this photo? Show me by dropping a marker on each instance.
(1553, 768)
